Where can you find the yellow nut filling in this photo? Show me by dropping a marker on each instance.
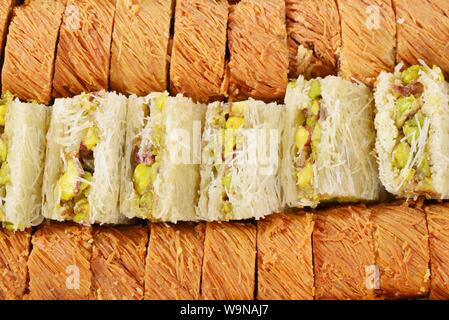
(401, 154)
(142, 178)
(3, 150)
(226, 182)
(235, 123)
(410, 74)
(315, 89)
(81, 211)
(91, 139)
(305, 176)
(68, 182)
(160, 102)
(301, 137)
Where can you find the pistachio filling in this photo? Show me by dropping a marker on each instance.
(75, 181)
(4, 167)
(146, 157)
(411, 156)
(227, 124)
(307, 137)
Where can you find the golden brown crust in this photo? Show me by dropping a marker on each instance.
(59, 263)
(82, 59)
(368, 30)
(14, 250)
(438, 222)
(342, 249)
(139, 54)
(259, 55)
(118, 263)
(284, 257)
(30, 50)
(402, 251)
(423, 29)
(6, 8)
(199, 47)
(314, 25)
(229, 262)
(173, 268)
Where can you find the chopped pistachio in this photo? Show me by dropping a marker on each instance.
(88, 104)
(417, 120)
(314, 107)
(424, 168)
(305, 176)
(405, 104)
(315, 89)
(4, 174)
(154, 171)
(301, 118)
(401, 154)
(226, 181)
(441, 77)
(142, 178)
(301, 137)
(9, 226)
(292, 84)
(160, 102)
(426, 186)
(311, 121)
(403, 107)
(91, 138)
(3, 109)
(230, 142)
(68, 182)
(410, 74)
(2, 192)
(227, 207)
(81, 211)
(3, 150)
(316, 135)
(146, 201)
(238, 108)
(88, 177)
(411, 132)
(234, 123)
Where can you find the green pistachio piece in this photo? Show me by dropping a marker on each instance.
(311, 121)
(305, 176)
(410, 74)
(405, 104)
(314, 107)
(235, 123)
(401, 154)
(238, 108)
(230, 141)
(301, 118)
(227, 207)
(81, 211)
(301, 137)
(68, 182)
(146, 201)
(292, 84)
(88, 177)
(424, 168)
(160, 102)
(3, 109)
(411, 133)
(3, 150)
(315, 89)
(142, 178)
(226, 181)
(91, 138)
(316, 135)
